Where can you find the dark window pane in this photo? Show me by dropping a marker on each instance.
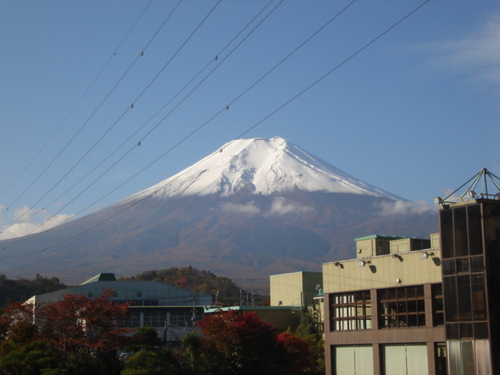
(446, 226)
(449, 267)
(463, 265)
(420, 291)
(475, 233)
(477, 264)
(450, 299)
(466, 330)
(452, 331)
(412, 321)
(481, 330)
(464, 298)
(392, 293)
(411, 292)
(437, 290)
(460, 226)
(421, 320)
(412, 306)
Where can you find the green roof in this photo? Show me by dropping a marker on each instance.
(101, 277)
(374, 236)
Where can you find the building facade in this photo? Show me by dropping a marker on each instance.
(470, 243)
(401, 308)
(384, 312)
(295, 288)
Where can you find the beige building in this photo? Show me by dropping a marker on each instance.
(384, 309)
(295, 288)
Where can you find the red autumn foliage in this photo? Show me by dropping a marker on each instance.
(298, 349)
(75, 324)
(242, 343)
(80, 323)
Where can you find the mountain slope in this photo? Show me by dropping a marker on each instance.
(256, 208)
(260, 166)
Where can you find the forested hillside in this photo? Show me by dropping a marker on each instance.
(224, 290)
(22, 289)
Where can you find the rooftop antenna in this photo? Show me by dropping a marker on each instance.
(471, 192)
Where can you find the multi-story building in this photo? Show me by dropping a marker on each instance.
(384, 312)
(410, 306)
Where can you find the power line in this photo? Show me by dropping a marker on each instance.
(333, 69)
(245, 132)
(75, 105)
(142, 139)
(84, 124)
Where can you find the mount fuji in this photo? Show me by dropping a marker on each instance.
(252, 208)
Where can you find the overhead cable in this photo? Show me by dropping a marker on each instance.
(239, 136)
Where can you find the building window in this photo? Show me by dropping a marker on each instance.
(90, 294)
(139, 294)
(155, 319)
(351, 311)
(132, 320)
(437, 305)
(402, 307)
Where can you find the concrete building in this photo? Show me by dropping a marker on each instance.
(295, 288)
(412, 306)
(170, 310)
(298, 292)
(384, 313)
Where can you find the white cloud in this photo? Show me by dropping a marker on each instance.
(405, 208)
(477, 55)
(28, 221)
(248, 208)
(281, 206)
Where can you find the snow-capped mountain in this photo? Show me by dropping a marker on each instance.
(253, 208)
(260, 166)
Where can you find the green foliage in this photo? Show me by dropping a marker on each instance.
(309, 330)
(22, 289)
(145, 338)
(160, 361)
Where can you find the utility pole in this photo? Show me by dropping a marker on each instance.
(193, 316)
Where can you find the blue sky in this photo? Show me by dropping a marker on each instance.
(416, 112)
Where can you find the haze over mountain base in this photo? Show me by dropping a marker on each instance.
(258, 207)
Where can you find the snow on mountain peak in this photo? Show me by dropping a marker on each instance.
(260, 166)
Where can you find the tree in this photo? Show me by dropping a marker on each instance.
(311, 332)
(144, 338)
(241, 343)
(81, 334)
(22, 289)
(159, 361)
(298, 352)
